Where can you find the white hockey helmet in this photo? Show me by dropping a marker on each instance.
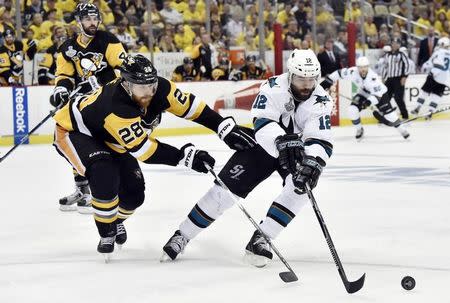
(444, 42)
(362, 61)
(303, 63)
(303, 73)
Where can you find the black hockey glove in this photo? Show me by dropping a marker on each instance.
(60, 96)
(308, 172)
(290, 148)
(194, 158)
(326, 83)
(88, 86)
(235, 136)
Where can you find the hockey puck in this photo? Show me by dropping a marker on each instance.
(408, 283)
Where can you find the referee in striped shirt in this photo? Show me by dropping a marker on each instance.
(395, 71)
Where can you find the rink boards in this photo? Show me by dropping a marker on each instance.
(22, 108)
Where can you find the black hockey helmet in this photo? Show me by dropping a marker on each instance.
(138, 70)
(9, 32)
(250, 58)
(86, 9)
(224, 61)
(188, 60)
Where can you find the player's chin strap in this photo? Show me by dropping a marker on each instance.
(351, 287)
(286, 276)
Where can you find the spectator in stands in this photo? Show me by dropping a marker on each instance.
(192, 16)
(157, 19)
(179, 5)
(125, 38)
(425, 21)
(354, 13)
(39, 33)
(166, 44)
(330, 61)
(292, 34)
(286, 14)
(30, 11)
(202, 56)
(183, 36)
(50, 22)
(439, 23)
(217, 34)
(372, 41)
(370, 28)
(134, 12)
(51, 6)
(170, 15)
(233, 28)
(300, 13)
(186, 72)
(236, 10)
(426, 47)
(249, 43)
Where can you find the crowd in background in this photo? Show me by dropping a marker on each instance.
(179, 25)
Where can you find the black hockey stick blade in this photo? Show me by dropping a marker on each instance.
(354, 286)
(288, 276)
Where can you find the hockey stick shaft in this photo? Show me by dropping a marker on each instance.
(351, 287)
(286, 278)
(425, 115)
(24, 138)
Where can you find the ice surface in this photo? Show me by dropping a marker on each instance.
(386, 203)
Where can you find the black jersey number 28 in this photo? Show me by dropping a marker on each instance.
(128, 134)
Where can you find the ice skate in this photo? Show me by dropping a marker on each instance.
(121, 236)
(80, 200)
(359, 134)
(174, 247)
(257, 251)
(106, 247)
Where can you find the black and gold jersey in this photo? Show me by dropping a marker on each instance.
(180, 74)
(11, 60)
(111, 116)
(201, 55)
(248, 74)
(47, 67)
(99, 57)
(220, 74)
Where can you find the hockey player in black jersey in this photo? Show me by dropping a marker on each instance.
(250, 71)
(12, 55)
(186, 72)
(85, 62)
(102, 135)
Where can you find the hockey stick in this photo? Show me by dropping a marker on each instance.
(351, 287)
(286, 276)
(24, 138)
(421, 116)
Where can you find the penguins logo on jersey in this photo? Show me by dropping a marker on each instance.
(89, 63)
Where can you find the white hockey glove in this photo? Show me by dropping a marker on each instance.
(195, 159)
(235, 136)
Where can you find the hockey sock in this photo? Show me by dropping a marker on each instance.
(206, 211)
(283, 210)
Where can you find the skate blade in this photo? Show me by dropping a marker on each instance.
(165, 258)
(255, 260)
(67, 207)
(107, 257)
(85, 210)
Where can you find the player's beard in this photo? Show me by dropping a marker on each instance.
(91, 30)
(143, 102)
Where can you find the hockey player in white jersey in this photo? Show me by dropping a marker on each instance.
(292, 127)
(439, 77)
(370, 91)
